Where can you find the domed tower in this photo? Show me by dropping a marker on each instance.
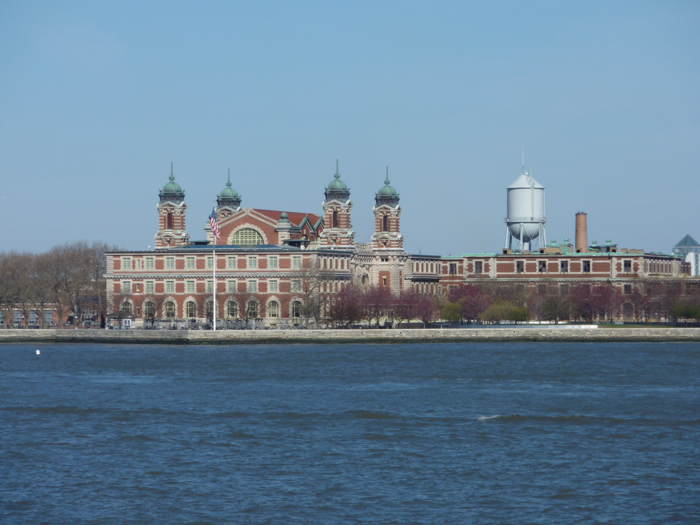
(526, 219)
(387, 218)
(171, 215)
(228, 197)
(337, 227)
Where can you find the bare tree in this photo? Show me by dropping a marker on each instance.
(309, 282)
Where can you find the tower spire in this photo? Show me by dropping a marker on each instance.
(228, 183)
(337, 172)
(387, 181)
(172, 177)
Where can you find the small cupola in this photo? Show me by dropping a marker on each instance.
(387, 194)
(228, 196)
(337, 189)
(172, 192)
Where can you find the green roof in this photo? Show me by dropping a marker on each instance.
(687, 241)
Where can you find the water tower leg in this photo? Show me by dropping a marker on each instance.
(543, 242)
(507, 237)
(522, 245)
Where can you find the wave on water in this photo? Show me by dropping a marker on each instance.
(583, 419)
(368, 414)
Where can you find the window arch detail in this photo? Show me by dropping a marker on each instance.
(246, 237)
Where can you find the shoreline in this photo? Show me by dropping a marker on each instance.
(333, 336)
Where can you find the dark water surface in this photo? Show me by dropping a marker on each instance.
(448, 433)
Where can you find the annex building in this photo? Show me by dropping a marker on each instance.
(273, 266)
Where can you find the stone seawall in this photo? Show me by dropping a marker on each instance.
(349, 336)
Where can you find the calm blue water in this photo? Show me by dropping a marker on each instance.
(449, 433)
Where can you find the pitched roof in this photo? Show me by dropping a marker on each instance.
(295, 218)
(687, 241)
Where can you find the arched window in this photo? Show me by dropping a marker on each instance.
(246, 237)
(149, 310)
(169, 308)
(273, 309)
(252, 309)
(296, 309)
(127, 308)
(191, 310)
(232, 309)
(385, 223)
(336, 222)
(169, 222)
(209, 309)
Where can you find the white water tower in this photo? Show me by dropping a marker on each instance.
(525, 221)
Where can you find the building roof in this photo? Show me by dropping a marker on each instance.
(296, 218)
(688, 241)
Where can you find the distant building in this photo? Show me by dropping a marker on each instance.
(690, 250)
(277, 266)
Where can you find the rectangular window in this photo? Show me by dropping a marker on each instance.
(520, 266)
(273, 286)
(210, 286)
(231, 286)
(126, 263)
(189, 263)
(149, 287)
(48, 316)
(627, 266)
(210, 262)
(453, 268)
(126, 287)
(170, 263)
(564, 289)
(252, 262)
(150, 265)
(253, 286)
(542, 266)
(273, 262)
(296, 262)
(586, 266)
(189, 286)
(296, 286)
(564, 266)
(478, 267)
(231, 262)
(628, 289)
(169, 286)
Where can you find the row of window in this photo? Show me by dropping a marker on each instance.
(231, 286)
(328, 263)
(252, 309)
(425, 267)
(148, 263)
(33, 316)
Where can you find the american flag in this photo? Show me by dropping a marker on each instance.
(212, 221)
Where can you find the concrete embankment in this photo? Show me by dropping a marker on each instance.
(350, 336)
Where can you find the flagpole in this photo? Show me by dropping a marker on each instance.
(214, 273)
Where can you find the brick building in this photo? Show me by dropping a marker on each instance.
(278, 266)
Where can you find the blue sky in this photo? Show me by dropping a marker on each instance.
(97, 98)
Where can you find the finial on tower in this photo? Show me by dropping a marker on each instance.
(337, 173)
(172, 177)
(387, 181)
(228, 183)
